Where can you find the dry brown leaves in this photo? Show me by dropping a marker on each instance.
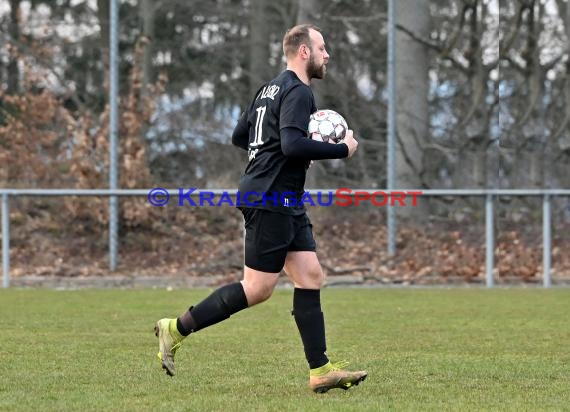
(208, 242)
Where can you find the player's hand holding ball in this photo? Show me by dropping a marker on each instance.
(351, 142)
(330, 127)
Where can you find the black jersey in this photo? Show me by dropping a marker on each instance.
(272, 180)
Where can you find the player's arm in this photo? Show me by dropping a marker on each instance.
(240, 136)
(296, 108)
(294, 143)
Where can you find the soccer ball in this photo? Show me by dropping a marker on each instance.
(327, 126)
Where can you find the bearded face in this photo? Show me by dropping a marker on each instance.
(314, 69)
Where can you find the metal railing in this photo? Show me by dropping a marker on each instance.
(489, 194)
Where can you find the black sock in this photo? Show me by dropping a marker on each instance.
(185, 323)
(220, 305)
(311, 324)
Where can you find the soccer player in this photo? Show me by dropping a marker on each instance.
(278, 232)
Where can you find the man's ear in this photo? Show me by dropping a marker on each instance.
(304, 51)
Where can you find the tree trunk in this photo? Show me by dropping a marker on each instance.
(412, 87)
(474, 125)
(530, 153)
(563, 140)
(14, 29)
(412, 82)
(259, 46)
(147, 11)
(306, 11)
(103, 13)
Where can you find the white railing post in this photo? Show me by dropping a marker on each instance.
(5, 241)
(489, 240)
(546, 241)
(113, 132)
(391, 221)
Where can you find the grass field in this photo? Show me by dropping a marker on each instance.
(424, 349)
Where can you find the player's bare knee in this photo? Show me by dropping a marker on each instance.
(266, 292)
(319, 278)
(260, 295)
(311, 280)
(257, 292)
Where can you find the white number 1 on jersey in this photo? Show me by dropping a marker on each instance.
(259, 126)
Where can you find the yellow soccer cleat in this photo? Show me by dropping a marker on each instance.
(332, 376)
(169, 340)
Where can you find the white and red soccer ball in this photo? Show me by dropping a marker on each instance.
(327, 126)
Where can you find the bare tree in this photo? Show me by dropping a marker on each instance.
(412, 61)
(259, 68)
(306, 11)
(147, 11)
(103, 11)
(14, 30)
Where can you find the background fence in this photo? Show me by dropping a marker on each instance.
(134, 94)
(489, 195)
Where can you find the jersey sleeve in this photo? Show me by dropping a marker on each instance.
(240, 135)
(295, 144)
(296, 108)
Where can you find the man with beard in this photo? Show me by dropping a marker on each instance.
(278, 232)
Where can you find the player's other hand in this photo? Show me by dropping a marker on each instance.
(351, 142)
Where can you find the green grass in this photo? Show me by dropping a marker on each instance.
(424, 349)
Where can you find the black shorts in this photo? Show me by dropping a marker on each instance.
(270, 235)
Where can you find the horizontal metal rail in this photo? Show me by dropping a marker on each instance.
(175, 191)
(489, 194)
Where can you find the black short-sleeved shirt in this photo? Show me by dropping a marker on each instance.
(283, 102)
